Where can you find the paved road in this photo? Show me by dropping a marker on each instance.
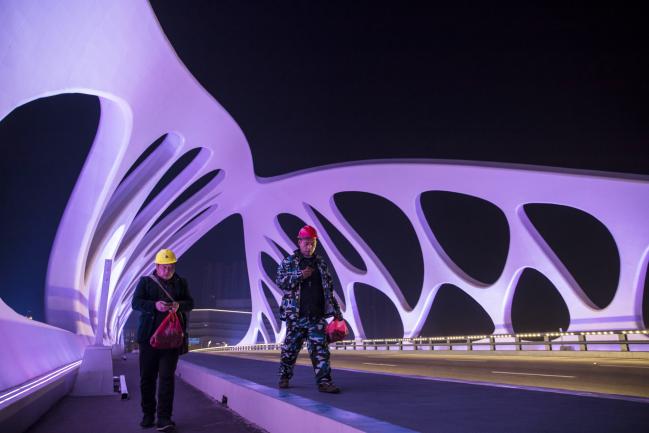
(428, 405)
(608, 375)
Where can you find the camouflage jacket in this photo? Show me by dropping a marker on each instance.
(289, 279)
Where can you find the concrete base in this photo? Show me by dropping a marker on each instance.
(95, 376)
(270, 408)
(118, 351)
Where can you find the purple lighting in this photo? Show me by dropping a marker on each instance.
(118, 52)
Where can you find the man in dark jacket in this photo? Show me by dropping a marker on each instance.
(156, 295)
(308, 299)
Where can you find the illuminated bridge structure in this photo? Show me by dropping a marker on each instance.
(117, 51)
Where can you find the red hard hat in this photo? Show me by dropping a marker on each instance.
(307, 232)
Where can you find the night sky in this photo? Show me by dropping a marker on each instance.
(314, 83)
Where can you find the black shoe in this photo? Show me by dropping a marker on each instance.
(147, 421)
(283, 382)
(165, 424)
(328, 387)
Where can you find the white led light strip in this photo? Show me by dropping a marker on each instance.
(11, 395)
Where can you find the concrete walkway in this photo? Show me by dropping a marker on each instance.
(194, 412)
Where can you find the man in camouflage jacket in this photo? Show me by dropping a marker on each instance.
(308, 300)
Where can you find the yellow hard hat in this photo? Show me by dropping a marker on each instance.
(165, 257)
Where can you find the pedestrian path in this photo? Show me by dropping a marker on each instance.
(194, 412)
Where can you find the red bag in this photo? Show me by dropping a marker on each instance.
(336, 330)
(169, 334)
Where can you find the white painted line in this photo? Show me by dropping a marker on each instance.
(376, 363)
(533, 374)
(622, 366)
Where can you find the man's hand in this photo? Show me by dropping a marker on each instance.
(306, 272)
(162, 306)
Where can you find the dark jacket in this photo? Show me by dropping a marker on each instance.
(147, 293)
(289, 279)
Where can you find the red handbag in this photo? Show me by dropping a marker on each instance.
(169, 334)
(336, 330)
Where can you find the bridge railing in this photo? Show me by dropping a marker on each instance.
(624, 341)
(618, 341)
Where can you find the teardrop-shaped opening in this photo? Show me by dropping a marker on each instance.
(269, 330)
(217, 274)
(583, 244)
(338, 289)
(156, 156)
(143, 156)
(390, 235)
(45, 144)
(269, 265)
(173, 171)
(189, 192)
(454, 312)
(379, 317)
(473, 232)
(537, 305)
(272, 303)
(291, 225)
(281, 250)
(193, 218)
(341, 243)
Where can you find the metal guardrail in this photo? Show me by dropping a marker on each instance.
(564, 341)
(548, 340)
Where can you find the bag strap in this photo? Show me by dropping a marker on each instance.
(154, 278)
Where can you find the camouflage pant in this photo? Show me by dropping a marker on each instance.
(314, 331)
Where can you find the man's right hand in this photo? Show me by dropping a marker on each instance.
(306, 272)
(161, 306)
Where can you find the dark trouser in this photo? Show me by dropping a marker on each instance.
(314, 331)
(157, 364)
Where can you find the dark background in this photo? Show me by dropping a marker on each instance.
(313, 83)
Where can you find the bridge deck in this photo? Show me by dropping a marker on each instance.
(432, 405)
